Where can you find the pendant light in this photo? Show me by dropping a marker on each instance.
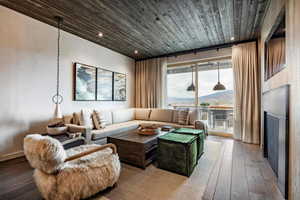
(219, 86)
(192, 86)
(57, 98)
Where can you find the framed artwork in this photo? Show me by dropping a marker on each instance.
(84, 82)
(104, 85)
(119, 87)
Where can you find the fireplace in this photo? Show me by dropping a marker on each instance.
(276, 112)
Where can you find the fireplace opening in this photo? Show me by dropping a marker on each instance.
(276, 112)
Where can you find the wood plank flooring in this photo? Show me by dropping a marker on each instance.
(240, 173)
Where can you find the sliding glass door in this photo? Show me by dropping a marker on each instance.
(215, 106)
(178, 80)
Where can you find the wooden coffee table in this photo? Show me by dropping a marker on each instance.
(135, 149)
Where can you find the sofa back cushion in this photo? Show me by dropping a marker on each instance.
(142, 113)
(123, 115)
(163, 115)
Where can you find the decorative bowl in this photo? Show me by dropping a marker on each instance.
(148, 131)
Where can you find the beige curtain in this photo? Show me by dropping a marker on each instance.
(247, 92)
(150, 83)
(275, 56)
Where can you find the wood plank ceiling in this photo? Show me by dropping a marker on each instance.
(153, 27)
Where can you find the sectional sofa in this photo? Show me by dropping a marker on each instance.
(118, 121)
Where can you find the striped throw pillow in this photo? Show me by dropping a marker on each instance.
(98, 120)
(183, 117)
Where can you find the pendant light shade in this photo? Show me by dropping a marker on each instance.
(192, 86)
(57, 98)
(219, 86)
(57, 111)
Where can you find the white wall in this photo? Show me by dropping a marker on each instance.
(28, 75)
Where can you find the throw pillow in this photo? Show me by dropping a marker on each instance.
(193, 116)
(86, 118)
(77, 119)
(98, 120)
(183, 117)
(67, 119)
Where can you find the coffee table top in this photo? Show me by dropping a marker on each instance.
(133, 136)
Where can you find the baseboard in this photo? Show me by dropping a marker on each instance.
(11, 156)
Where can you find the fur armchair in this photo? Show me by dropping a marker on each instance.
(73, 174)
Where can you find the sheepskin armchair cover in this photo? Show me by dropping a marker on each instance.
(71, 180)
(44, 153)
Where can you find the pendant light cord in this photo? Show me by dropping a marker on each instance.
(58, 54)
(192, 75)
(218, 72)
(57, 98)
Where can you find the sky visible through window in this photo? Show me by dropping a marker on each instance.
(178, 83)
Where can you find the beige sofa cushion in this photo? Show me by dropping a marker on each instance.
(164, 115)
(114, 129)
(124, 115)
(142, 113)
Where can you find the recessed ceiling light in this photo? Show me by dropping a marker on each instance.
(136, 51)
(232, 38)
(100, 34)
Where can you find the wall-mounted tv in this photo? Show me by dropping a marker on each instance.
(275, 48)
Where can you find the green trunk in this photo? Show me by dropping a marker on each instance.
(200, 138)
(177, 153)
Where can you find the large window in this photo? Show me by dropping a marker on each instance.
(207, 79)
(177, 82)
(215, 107)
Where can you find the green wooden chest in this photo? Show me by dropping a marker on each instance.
(177, 153)
(200, 138)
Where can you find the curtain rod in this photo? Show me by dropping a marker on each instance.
(221, 46)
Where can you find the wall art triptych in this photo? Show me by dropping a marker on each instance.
(97, 84)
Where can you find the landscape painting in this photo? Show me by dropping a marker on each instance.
(104, 85)
(85, 82)
(119, 87)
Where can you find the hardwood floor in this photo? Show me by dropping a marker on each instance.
(240, 173)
